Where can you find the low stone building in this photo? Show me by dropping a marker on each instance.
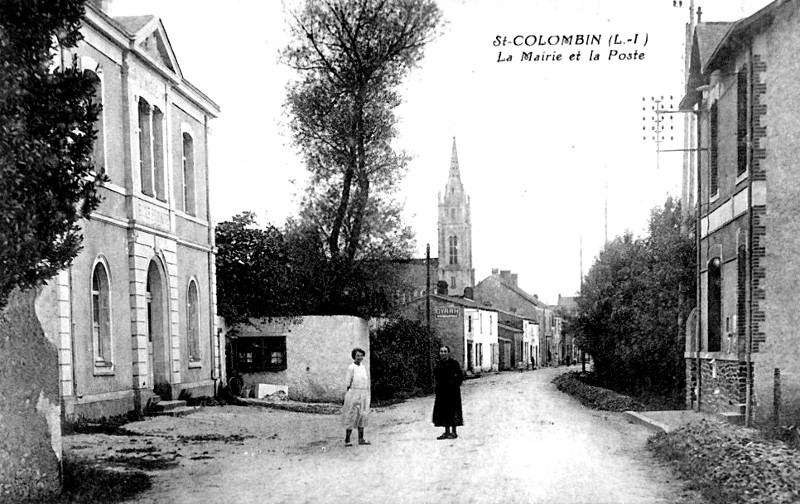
(305, 356)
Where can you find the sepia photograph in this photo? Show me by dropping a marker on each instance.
(399, 251)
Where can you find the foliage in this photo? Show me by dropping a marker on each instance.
(351, 56)
(271, 272)
(633, 304)
(575, 384)
(731, 465)
(402, 354)
(47, 177)
(253, 270)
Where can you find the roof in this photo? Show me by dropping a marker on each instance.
(508, 327)
(467, 303)
(568, 303)
(741, 29)
(707, 37)
(516, 290)
(132, 24)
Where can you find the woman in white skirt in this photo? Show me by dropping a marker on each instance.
(356, 400)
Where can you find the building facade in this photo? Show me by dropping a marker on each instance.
(500, 291)
(305, 356)
(744, 358)
(455, 233)
(468, 329)
(136, 312)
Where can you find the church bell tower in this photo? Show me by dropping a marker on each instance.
(455, 233)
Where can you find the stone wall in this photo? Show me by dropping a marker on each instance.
(723, 385)
(30, 428)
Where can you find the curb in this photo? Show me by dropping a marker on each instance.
(646, 421)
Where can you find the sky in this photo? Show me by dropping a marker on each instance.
(551, 153)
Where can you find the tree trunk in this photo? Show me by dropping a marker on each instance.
(30, 436)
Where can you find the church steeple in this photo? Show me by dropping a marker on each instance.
(455, 232)
(454, 172)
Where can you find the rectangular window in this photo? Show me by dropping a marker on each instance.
(741, 121)
(145, 147)
(158, 154)
(469, 323)
(713, 150)
(260, 354)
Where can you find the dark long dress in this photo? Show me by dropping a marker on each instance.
(447, 406)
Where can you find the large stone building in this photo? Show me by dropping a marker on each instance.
(135, 315)
(455, 233)
(745, 357)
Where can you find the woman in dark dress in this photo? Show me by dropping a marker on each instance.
(447, 406)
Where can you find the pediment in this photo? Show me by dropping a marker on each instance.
(153, 42)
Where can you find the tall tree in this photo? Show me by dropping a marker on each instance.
(47, 177)
(351, 56)
(633, 304)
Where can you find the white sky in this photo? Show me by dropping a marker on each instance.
(537, 141)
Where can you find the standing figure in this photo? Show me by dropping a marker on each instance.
(356, 400)
(447, 406)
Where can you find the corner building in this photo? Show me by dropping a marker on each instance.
(135, 315)
(743, 358)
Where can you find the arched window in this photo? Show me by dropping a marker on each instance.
(193, 322)
(188, 175)
(101, 316)
(453, 249)
(99, 153)
(714, 305)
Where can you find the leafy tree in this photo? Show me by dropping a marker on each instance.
(402, 359)
(352, 56)
(271, 272)
(633, 304)
(47, 177)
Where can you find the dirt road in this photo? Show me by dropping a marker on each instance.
(523, 441)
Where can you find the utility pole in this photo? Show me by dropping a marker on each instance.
(428, 355)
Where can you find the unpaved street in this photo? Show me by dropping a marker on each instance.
(523, 441)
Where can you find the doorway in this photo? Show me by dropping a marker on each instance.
(157, 355)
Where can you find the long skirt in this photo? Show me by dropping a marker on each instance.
(447, 408)
(355, 409)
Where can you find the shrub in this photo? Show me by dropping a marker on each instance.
(730, 464)
(401, 360)
(575, 384)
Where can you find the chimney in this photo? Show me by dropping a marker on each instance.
(495, 271)
(536, 297)
(505, 275)
(103, 5)
(468, 293)
(514, 279)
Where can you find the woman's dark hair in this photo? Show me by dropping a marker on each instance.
(447, 347)
(357, 350)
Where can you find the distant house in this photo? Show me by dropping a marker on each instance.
(468, 329)
(500, 291)
(525, 341)
(305, 356)
(567, 306)
(745, 357)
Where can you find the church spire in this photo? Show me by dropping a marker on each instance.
(454, 172)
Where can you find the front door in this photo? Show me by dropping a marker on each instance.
(157, 356)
